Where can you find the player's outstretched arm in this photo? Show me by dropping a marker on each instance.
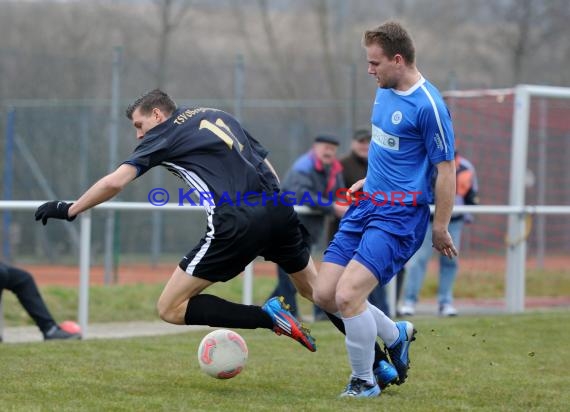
(103, 190)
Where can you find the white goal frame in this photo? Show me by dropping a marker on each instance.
(516, 253)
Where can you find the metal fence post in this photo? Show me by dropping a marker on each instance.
(84, 264)
(516, 249)
(113, 142)
(1, 320)
(8, 181)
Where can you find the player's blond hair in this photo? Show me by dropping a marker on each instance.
(394, 39)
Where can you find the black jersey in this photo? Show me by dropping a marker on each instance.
(210, 151)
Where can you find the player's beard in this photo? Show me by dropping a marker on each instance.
(385, 83)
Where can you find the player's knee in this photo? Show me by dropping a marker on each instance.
(323, 299)
(165, 311)
(161, 309)
(21, 276)
(26, 276)
(343, 300)
(317, 298)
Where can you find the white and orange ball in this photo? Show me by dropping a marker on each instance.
(222, 354)
(70, 327)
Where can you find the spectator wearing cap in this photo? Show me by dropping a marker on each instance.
(316, 174)
(355, 164)
(354, 168)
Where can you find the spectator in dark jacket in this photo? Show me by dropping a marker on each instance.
(312, 180)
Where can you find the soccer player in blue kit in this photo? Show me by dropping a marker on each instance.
(412, 136)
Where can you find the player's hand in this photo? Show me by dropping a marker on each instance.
(442, 242)
(55, 209)
(356, 187)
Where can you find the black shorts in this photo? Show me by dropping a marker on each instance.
(236, 235)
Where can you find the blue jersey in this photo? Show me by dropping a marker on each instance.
(411, 132)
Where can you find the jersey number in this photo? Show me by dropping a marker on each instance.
(221, 130)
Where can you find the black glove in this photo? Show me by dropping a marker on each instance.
(55, 209)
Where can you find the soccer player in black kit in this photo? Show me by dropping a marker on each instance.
(211, 152)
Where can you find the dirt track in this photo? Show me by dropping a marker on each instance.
(145, 273)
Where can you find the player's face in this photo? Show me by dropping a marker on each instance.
(143, 123)
(325, 152)
(382, 68)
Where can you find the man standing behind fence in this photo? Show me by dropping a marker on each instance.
(315, 176)
(467, 193)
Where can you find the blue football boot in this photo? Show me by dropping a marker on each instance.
(284, 323)
(399, 350)
(358, 388)
(385, 374)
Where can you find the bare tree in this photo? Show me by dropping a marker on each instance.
(286, 84)
(256, 57)
(172, 13)
(322, 12)
(530, 24)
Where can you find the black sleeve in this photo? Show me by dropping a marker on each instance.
(148, 154)
(256, 146)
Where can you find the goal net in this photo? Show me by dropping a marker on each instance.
(485, 123)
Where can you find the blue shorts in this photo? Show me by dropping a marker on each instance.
(382, 239)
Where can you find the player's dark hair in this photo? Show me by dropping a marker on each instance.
(393, 39)
(154, 99)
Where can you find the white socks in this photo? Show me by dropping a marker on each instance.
(385, 327)
(361, 332)
(360, 339)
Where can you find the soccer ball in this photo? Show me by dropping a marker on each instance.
(222, 354)
(70, 326)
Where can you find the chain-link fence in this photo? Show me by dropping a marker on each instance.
(56, 150)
